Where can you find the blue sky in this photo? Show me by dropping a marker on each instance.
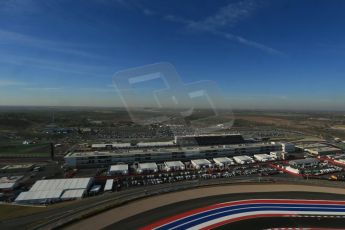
(263, 54)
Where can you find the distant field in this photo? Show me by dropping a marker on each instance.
(35, 150)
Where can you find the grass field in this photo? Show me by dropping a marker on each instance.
(35, 150)
(8, 211)
(12, 211)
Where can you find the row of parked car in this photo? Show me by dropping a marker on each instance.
(196, 175)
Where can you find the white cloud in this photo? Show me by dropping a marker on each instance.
(226, 17)
(56, 65)
(250, 43)
(10, 37)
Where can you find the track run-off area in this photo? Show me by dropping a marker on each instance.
(214, 206)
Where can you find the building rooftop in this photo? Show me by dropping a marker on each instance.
(305, 161)
(244, 158)
(113, 145)
(9, 182)
(61, 184)
(222, 160)
(10, 179)
(9, 185)
(263, 155)
(172, 164)
(73, 194)
(55, 188)
(119, 167)
(201, 162)
(148, 166)
(153, 144)
(39, 195)
(168, 150)
(109, 185)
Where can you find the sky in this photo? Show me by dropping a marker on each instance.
(263, 54)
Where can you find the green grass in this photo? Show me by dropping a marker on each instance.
(12, 211)
(35, 150)
(8, 211)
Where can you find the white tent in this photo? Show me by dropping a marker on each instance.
(61, 184)
(119, 169)
(174, 165)
(49, 191)
(150, 167)
(73, 194)
(199, 163)
(221, 161)
(38, 197)
(109, 185)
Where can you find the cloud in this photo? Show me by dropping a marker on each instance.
(250, 43)
(226, 17)
(147, 11)
(55, 65)
(10, 37)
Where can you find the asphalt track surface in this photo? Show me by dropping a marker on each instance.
(146, 218)
(286, 222)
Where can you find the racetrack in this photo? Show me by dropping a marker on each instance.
(140, 213)
(228, 213)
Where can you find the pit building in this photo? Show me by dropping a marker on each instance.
(88, 159)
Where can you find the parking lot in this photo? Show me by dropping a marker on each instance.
(122, 182)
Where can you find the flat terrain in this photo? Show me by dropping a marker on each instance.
(11, 211)
(8, 211)
(34, 150)
(114, 124)
(142, 212)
